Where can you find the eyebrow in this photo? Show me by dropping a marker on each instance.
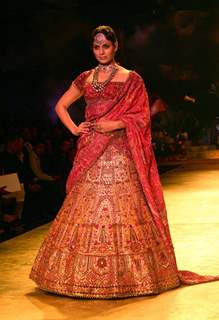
(99, 44)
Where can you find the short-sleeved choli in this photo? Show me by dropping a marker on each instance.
(80, 80)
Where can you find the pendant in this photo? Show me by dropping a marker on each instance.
(99, 86)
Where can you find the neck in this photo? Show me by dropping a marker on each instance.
(108, 66)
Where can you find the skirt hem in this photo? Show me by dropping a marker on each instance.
(115, 295)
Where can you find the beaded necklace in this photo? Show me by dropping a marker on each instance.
(99, 86)
(107, 67)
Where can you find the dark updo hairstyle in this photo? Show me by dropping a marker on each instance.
(108, 32)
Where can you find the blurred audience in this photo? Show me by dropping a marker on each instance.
(42, 162)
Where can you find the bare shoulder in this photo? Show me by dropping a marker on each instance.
(123, 70)
(90, 75)
(122, 74)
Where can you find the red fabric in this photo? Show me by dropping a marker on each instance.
(129, 104)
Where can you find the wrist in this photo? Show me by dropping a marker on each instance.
(74, 131)
(120, 124)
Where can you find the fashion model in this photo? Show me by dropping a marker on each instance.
(111, 237)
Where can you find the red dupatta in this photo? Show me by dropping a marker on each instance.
(131, 105)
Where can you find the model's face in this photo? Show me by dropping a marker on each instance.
(103, 49)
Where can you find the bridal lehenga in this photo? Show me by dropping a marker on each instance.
(111, 237)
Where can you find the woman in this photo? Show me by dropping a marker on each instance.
(111, 237)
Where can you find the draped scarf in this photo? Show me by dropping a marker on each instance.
(130, 105)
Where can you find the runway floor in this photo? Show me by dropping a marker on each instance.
(192, 198)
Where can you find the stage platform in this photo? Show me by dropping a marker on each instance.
(192, 198)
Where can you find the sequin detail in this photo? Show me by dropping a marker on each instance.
(103, 242)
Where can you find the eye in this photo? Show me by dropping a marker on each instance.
(106, 46)
(95, 47)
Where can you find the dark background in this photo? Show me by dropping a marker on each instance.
(45, 44)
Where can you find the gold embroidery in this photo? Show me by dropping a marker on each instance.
(103, 242)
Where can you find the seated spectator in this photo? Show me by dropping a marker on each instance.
(7, 216)
(15, 158)
(36, 153)
(50, 185)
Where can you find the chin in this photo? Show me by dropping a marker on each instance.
(104, 61)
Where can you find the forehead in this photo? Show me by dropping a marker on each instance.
(100, 38)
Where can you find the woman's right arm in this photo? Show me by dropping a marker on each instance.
(61, 108)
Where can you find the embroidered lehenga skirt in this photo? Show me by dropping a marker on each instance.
(103, 242)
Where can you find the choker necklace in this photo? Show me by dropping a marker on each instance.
(99, 86)
(106, 67)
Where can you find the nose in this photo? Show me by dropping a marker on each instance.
(101, 51)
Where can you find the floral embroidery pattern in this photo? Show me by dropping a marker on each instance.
(103, 242)
(111, 237)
